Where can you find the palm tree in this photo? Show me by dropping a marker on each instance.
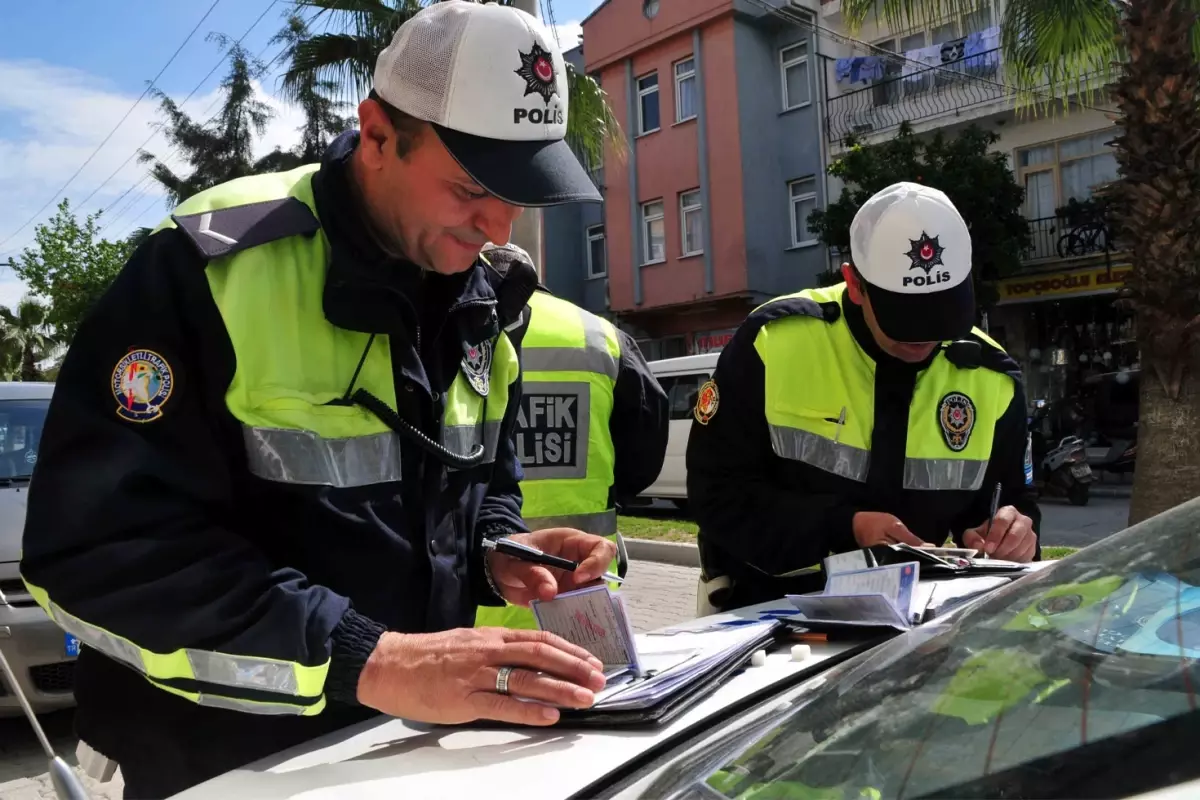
(1143, 56)
(358, 30)
(222, 149)
(26, 336)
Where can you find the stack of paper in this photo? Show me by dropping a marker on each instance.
(595, 619)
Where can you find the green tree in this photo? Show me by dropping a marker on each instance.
(221, 149)
(358, 30)
(1143, 56)
(69, 266)
(26, 334)
(978, 181)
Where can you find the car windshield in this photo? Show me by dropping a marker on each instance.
(21, 424)
(1077, 681)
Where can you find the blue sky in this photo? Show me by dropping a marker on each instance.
(69, 70)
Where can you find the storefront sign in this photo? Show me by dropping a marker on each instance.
(1075, 283)
(711, 341)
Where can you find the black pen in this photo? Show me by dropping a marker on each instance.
(992, 516)
(531, 554)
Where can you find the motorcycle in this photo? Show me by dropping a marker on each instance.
(1063, 470)
(1114, 450)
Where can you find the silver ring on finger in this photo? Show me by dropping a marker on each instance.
(502, 676)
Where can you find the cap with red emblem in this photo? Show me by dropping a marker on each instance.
(493, 83)
(913, 250)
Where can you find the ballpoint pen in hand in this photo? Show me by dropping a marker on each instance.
(534, 556)
(992, 516)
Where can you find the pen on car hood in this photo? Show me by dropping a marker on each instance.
(531, 554)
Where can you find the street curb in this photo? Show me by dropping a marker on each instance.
(678, 553)
(1122, 492)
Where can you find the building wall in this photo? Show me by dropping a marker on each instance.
(564, 240)
(665, 163)
(777, 146)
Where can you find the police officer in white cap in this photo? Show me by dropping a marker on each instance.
(859, 414)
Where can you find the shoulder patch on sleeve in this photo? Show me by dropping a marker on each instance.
(708, 400)
(231, 230)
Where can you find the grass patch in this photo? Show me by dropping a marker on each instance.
(681, 530)
(657, 528)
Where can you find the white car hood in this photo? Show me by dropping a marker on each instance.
(393, 758)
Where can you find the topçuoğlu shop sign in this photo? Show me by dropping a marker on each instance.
(1076, 283)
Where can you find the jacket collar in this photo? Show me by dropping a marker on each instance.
(368, 290)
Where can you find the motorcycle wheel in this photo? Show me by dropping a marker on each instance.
(1078, 494)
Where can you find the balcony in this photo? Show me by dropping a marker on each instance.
(946, 89)
(1054, 239)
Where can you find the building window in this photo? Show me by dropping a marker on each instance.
(596, 257)
(650, 8)
(654, 233)
(685, 90)
(647, 89)
(1069, 169)
(802, 199)
(691, 223)
(793, 71)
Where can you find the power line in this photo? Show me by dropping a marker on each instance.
(195, 89)
(120, 122)
(844, 38)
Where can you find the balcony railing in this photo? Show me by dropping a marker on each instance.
(947, 88)
(1052, 238)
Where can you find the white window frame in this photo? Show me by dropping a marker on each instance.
(686, 209)
(690, 74)
(642, 94)
(595, 233)
(787, 63)
(794, 200)
(647, 218)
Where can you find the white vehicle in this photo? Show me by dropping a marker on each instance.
(1075, 681)
(681, 378)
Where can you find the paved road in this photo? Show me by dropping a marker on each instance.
(657, 594)
(1078, 526)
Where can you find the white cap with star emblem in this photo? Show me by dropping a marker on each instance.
(493, 83)
(913, 250)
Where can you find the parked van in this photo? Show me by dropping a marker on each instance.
(681, 378)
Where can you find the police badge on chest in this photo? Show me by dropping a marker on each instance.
(477, 366)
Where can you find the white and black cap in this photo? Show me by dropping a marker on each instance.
(493, 83)
(913, 249)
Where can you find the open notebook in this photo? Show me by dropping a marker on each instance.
(596, 619)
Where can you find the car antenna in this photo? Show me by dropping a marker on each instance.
(67, 785)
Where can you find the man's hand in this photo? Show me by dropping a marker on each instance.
(521, 582)
(1010, 537)
(450, 677)
(874, 527)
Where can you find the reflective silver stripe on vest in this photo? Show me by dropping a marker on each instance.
(594, 356)
(461, 439)
(221, 669)
(817, 451)
(602, 523)
(293, 456)
(943, 474)
(249, 707)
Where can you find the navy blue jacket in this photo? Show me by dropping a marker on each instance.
(158, 532)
